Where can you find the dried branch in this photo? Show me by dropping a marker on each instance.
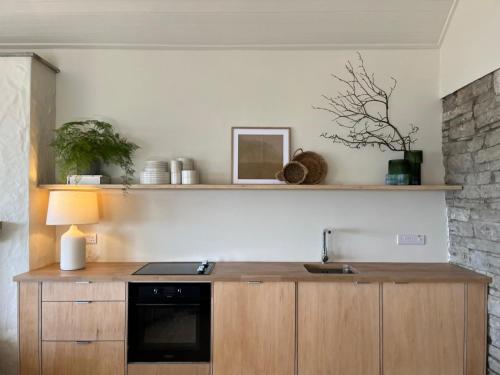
(363, 109)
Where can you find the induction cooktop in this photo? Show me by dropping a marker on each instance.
(176, 268)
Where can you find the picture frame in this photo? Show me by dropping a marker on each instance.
(258, 153)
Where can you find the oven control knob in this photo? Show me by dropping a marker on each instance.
(179, 291)
(155, 291)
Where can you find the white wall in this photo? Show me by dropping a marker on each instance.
(184, 103)
(27, 114)
(470, 49)
(14, 160)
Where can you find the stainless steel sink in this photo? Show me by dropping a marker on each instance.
(330, 269)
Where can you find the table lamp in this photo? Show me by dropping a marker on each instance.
(72, 208)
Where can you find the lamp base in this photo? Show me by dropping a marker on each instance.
(72, 249)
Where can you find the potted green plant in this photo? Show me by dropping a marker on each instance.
(81, 147)
(362, 110)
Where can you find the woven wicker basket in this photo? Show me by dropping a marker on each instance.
(315, 164)
(294, 173)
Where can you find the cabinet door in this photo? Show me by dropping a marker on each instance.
(254, 328)
(423, 329)
(476, 342)
(338, 328)
(77, 358)
(29, 328)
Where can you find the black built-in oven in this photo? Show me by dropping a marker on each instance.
(169, 322)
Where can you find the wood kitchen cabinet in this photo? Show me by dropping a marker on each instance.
(83, 328)
(73, 328)
(29, 328)
(254, 328)
(423, 329)
(338, 328)
(476, 326)
(434, 328)
(390, 320)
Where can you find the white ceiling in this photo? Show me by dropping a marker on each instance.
(224, 23)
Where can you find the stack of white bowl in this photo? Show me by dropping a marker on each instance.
(189, 174)
(155, 173)
(187, 164)
(190, 177)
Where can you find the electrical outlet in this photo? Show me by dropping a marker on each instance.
(91, 239)
(410, 239)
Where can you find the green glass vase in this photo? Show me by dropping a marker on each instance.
(415, 160)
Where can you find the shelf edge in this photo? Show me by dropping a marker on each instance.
(347, 187)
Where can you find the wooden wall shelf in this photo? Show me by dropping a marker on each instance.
(262, 187)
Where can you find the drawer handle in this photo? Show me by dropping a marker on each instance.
(362, 282)
(83, 302)
(254, 282)
(83, 282)
(401, 282)
(83, 342)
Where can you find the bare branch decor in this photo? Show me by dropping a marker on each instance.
(363, 109)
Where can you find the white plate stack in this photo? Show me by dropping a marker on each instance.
(155, 173)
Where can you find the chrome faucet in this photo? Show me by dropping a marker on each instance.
(324, 254)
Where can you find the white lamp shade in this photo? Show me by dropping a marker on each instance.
(72, 207)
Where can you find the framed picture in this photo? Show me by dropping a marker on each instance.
(258, 154)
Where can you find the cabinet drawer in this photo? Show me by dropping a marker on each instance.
(83, 321)
(169, 369)
(83, 291)
(93, 358)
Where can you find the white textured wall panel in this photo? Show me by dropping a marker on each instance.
(14, 150)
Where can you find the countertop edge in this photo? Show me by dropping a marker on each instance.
(235, 271)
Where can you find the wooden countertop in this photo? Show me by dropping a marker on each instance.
(266, 271)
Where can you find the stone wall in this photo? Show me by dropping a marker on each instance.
(471, 149)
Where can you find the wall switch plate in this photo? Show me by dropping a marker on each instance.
(410, 239)
(91, 239)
